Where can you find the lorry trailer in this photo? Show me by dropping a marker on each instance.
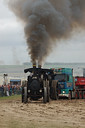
(80, 87)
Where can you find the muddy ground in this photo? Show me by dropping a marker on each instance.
(56, 114)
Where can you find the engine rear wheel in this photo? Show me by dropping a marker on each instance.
(48, 91)
(55, 91)
(45, 95)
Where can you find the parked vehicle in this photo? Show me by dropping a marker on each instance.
(65, 85)
(80, 87)
(62, 83)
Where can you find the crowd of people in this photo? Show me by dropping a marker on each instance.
(9, 90)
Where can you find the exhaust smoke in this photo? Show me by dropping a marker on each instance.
(46, 21)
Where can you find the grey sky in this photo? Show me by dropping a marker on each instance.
(13, 49)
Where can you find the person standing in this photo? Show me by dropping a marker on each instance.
(7, 91)
(2, 88)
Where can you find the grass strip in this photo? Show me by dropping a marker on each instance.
(14, 97)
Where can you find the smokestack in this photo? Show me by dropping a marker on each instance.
(34, 68)
(34, 65)
(39, 66)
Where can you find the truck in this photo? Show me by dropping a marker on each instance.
(65, 85)
(62, 83)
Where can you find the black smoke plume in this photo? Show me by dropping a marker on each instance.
(46, 21)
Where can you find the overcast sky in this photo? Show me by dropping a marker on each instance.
(13, 49)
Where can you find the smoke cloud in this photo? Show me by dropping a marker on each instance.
(46, 21)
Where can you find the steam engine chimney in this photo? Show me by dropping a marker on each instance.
(34, 65)
(34, 68)
(39, 66)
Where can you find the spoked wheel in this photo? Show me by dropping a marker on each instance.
(25, 99)
(55, 93)
(45, 95)
(48, 92)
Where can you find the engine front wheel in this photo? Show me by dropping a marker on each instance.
(22, 94)
(45, 95)
(25, 99)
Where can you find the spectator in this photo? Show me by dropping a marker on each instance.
(2, 89)
(10, 91)
(7, 91)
